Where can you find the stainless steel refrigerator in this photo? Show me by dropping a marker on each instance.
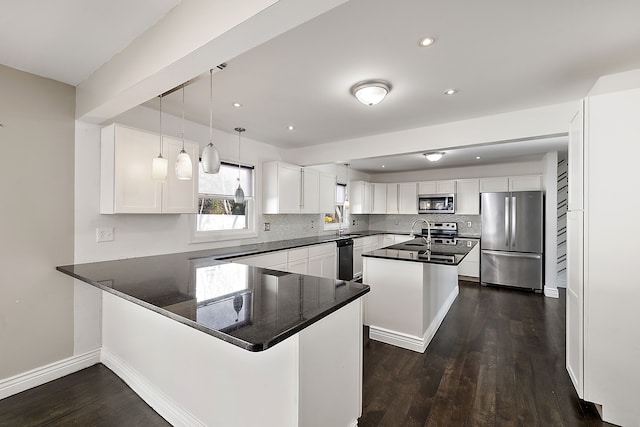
(512, 239)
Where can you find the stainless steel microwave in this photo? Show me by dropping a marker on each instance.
(436, 203)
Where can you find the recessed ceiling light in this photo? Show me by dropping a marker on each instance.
(427, 41)
(382, 165)
(291, 127)
(477, 157)
(451, 91)
(237, 104)
(433, 157)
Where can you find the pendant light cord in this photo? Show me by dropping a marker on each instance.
(160, 125)
(182, 118)
(239, 133)
(211, 106)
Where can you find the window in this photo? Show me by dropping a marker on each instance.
(218, 217)
(338, 217)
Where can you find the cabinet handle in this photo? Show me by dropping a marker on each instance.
(513, 222)
(506, 221)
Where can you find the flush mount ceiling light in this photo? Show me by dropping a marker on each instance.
(426, 41)
(210, 156)
(371, 92)
(451, 91)
(433, 157)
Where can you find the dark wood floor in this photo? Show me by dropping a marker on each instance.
(497, 360)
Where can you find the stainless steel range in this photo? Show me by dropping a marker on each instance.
(444, 233)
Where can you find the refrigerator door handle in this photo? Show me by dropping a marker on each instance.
(506, 221)
(513, 222)
(513, 254)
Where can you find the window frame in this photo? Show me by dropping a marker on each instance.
(344, 225)
(208, 236)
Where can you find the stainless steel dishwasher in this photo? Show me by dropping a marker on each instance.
(345, 259)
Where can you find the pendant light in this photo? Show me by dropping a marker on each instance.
(238, 197)
(346, 191)
(184, 167)
(160, 165)
(210, 157)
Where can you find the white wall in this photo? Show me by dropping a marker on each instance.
(550, 185)
(36, 221)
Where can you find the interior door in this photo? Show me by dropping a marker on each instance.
(575, 300)
(526, 221)
(496, 226)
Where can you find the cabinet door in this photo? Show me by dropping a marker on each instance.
(494, 185)
(125, 171)
(427, 187)
(445, 187)
(470, 265)
(327, 193)
(360, 197)
(392, 198)
(525, 183)
(288, 188)
(368, 205)
(408, 199)
(180, 196)
(575, 300)
(329, 268)
(379, 192)
(576, 161)
(299, 266)
(310, 191)
(468, 197)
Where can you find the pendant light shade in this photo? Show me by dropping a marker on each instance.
(346, 194)
(238, 197)
(160, 165)
(210, 156)
(184, 167)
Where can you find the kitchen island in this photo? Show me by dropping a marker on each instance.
(207, 342)
(412, 288)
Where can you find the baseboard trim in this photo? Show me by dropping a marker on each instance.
(551, 292)
(412, 342)
(44, 374)
(353, 423)
(170, 410)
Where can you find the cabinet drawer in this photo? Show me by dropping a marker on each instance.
(324, 249)
(298, 254)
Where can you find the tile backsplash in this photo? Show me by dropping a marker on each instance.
(402, 223)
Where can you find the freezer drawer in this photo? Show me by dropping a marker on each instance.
(522, 270)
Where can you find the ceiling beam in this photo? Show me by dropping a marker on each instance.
(192, 38)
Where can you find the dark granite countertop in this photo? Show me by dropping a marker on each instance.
(251, 307)
(416, 250)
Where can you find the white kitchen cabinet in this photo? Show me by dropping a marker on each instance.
(525, 183)
(360, 197)
(407, 198)
(495, 184)
(360, 246)
(575, 190)
(310, 199)
(392, 198)
(327, 200)
(437, 187)
(379, 202)
(298, 260)
(468, 197)
(126, 186)
(275, 260)
(470, 265)
(281, 188)
(322, 260)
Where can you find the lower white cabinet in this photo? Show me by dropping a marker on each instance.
(322, 260)
(314, 260)
(126, 186)
(470, 265)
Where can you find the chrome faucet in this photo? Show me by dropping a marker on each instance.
(428, 240)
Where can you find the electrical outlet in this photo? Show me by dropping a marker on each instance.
(469, 243)
(267, 226)
(104, 234)
(311, 223)
(469, 224)
(354, 222)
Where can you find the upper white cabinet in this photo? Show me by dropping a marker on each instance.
(126, 186)
(511, 183)
(407, 198)
(392, 198)
(525, 183)
(379, 203)
(437, 187)
(360, 197)
(494, 185)
(327, 200)
(281, 188)
(310, 191)
(468, 197)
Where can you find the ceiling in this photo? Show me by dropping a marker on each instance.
(501, 55)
